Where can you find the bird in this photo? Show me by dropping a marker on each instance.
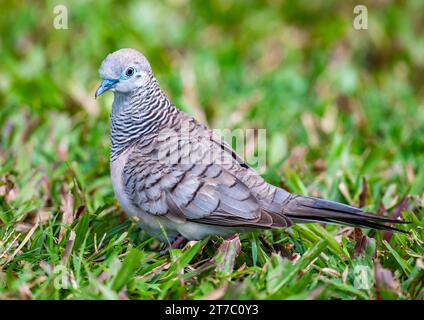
(181, 181)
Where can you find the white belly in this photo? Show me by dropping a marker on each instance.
(198, 231)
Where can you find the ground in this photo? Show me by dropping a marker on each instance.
(343, 111)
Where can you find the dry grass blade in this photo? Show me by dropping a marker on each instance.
(68, 248)
(22, 244)
(385, 282)
(226, 255)
(216, 294)
(364, 193)
(67, 209)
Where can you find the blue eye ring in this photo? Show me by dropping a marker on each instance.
(128, 73)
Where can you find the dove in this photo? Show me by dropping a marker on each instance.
(182, 181)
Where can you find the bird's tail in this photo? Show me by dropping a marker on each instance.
(309, 209)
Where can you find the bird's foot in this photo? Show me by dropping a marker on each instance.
(179, 240)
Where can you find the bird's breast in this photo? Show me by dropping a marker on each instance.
(116, 169)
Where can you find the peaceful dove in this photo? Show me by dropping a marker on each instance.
(179, 179)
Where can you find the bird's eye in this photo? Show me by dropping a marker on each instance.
(129, 72)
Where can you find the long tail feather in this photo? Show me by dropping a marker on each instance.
(309, 209)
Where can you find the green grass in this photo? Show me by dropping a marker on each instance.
(344, 113)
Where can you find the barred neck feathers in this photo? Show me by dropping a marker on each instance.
(137, 114)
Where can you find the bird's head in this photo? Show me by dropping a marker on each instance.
(123, 71)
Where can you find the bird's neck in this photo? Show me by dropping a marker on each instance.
(139, 114)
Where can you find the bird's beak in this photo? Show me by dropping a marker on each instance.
(106, 85)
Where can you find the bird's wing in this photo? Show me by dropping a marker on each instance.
(191, 176)
(186, 179)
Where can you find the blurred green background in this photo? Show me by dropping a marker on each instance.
(339, 105)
